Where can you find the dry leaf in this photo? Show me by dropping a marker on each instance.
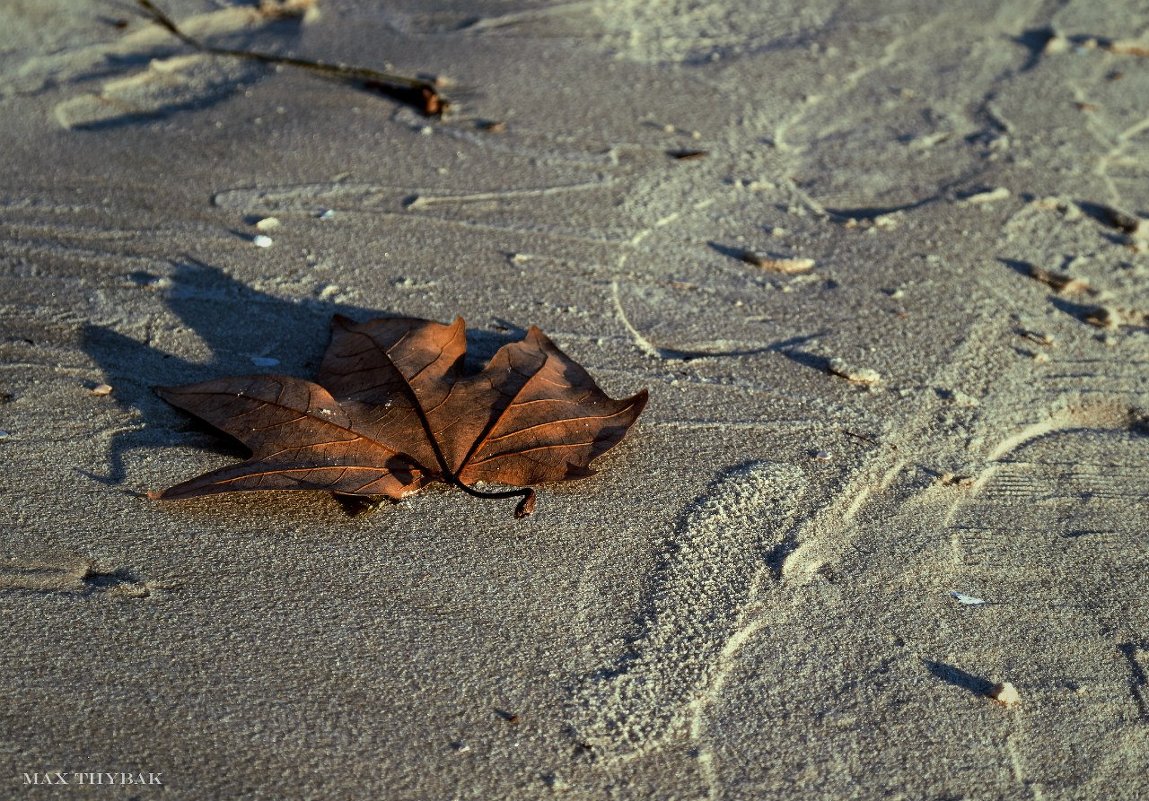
(392, 411)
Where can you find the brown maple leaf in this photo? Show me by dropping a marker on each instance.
(393, 411)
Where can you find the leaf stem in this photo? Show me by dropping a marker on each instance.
(421, 95)
(526, 505)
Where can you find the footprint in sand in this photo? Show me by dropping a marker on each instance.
(695, 612)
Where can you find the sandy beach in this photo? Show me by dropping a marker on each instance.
(882, 530)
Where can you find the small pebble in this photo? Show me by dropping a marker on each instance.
(821, 456)
(4, 435)
(261, 241)
(327, 214)
(1005, 694)
(100, 390)
(267, 224)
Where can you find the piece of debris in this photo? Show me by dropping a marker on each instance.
(264, 361)
(1122, 220)
(492, 126)
(100, 390)
(267, 224)
(1110, 317)
(986, 196)
(1061, 283)
(262, 241)
(1103, 317)
(967, 600)
(512, 718)
(687, 154)
(859, 375)
(327, 214)
(949, 479)
(1005, 694)
(281, 9)
(422, 95)
(784, 266)
(1040, 337)
(1128, 47)
(821, 456)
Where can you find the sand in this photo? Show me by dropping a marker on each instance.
(755, 597)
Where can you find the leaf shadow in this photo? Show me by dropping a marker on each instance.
(233, 321)
(236, 325)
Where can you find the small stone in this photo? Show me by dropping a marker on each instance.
(327, 214)
(1055, 44)
(4, 435)
(267, 224)
(1005, 694)
(262, 241)
(100, 390)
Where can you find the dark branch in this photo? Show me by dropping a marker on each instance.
(421, 95)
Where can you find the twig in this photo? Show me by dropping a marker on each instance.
(419, 94)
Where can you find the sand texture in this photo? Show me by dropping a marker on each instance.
(881, 532)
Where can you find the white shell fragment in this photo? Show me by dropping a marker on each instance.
(262, 241)
(968, 600)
